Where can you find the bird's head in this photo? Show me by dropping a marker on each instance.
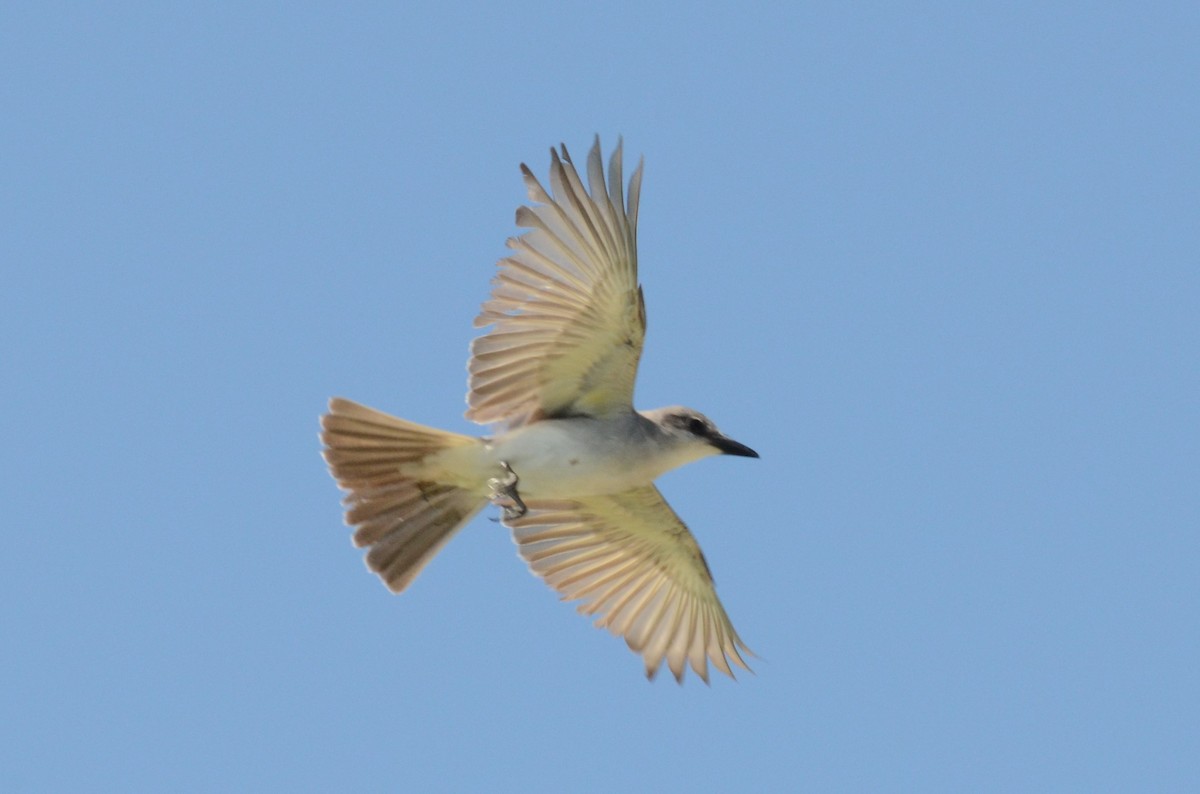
(694, 435)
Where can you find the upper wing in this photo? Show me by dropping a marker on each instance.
(566, 311)
(631, 561)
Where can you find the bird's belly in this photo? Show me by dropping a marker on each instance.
(553, 462)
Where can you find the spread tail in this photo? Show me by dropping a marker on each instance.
(404, 519)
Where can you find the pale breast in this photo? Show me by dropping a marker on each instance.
(576, 457)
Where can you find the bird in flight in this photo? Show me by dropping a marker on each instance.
(572, 464)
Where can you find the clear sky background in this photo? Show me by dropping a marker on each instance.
(939, 264)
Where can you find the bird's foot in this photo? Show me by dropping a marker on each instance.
(504, 493)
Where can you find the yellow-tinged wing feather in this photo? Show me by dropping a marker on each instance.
(566, 311)
(634, 564)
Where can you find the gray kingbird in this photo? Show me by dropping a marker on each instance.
(573, 464)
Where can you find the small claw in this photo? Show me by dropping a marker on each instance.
(504, 493)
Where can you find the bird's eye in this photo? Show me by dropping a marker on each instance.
(696, 427)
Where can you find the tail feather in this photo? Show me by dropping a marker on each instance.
(403, 519)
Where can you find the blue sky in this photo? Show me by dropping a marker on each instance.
(937, 263)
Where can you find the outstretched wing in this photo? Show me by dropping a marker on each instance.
(634, 564)
(566, 310)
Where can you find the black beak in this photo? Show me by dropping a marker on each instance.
(730, 447)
